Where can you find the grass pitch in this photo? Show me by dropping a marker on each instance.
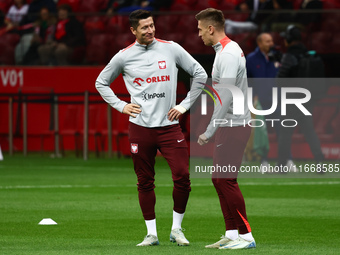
(95, 204)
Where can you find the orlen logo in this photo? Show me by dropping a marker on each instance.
(152, 79)
(137, 80)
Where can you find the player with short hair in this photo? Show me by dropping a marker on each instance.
(149, 69)
(229, 68)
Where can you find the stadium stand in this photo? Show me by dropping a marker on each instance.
(7, 48)
(106, 35)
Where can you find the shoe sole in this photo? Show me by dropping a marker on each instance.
(173, 240)
(250, 246)
(152, 244)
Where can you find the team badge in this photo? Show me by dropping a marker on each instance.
(134, 148)
(162, 64)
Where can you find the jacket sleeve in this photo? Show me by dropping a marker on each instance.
(228, 68)
(193, 68)
(105, 78)
(288, 64)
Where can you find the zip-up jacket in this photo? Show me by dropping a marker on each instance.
(150, 76)
(229, 68)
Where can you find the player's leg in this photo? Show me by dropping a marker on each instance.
(173, 147)
(230, 224)
(307, 128)
(143, 151)
(232, 142)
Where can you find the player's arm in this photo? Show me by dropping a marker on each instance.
(195, 70)
(104, 80)
(228, 67)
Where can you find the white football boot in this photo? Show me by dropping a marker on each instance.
(239, 243)
(224, 241)
(177, 236)
(149, 240)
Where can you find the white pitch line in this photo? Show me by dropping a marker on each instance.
(167, 185)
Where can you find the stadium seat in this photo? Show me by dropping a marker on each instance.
(226, 5)
(95, 127)
(73, 3)
(179, 7)
(117, 24)
(297, 4)
(335, 44)
(322, 116)
(278, 41)
(246, 41)
(166, 24)
(331, 4)
(4, 5)
(97, 49)
(203, 4)
(194, 45)
(187, 24)
(123, 146)
(176, 37)
(189, 3)
(319, 41)
(125, 40)
(94, 25)
(77, 56)
(238, 16)
(92, 5)
(8, 43)
(71, 126)
(330, 22)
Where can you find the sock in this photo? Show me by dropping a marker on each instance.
(248, 237)
(231, 234)
(151, 227)
(177, 220)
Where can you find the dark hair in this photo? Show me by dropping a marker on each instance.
(292, 34)
(65, 7)
(137, 15)
(212, 15)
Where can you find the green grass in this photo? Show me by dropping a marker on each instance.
(95, 204)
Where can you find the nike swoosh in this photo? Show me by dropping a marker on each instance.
(218, 145)
(180, 140)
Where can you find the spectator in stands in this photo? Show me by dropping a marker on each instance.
(128, 6)
(44, 29)
(69, 34)
(35, 7)
(278, 21)
(254, 18)
(254, 6)
(26, 25)
(264, 62)
(16, 13)
(290, 69)
(307, 18)
(131, 5)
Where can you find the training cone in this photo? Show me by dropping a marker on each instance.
(47, 222)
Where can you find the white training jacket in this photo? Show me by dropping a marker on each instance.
(150, 76)
(229, 68)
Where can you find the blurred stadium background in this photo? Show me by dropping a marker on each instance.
(55, 110)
